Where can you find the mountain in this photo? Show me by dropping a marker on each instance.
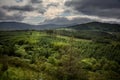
(97, 26)
(23, 26)
(14, 26)
(94, 26)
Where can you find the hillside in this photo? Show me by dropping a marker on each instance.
(92, 31)
(97, 26)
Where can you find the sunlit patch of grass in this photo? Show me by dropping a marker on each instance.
(67, 29)
(74, 39)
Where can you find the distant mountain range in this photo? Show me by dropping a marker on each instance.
(23, 26)
(86, 26)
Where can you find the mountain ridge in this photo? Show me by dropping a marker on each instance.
(84, 26)
(97, 26)
(25, 26)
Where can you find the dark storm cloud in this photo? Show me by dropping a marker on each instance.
(42, 10)
(16, 17)
(19, 1)
(2, 14)
(104, 8)
(28, 7)
(19, 8)
(36, 1)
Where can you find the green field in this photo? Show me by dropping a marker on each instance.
(50, 55)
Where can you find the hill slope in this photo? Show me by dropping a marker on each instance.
(92, 30)
(97, 26)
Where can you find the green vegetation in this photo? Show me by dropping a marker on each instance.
(59, 55)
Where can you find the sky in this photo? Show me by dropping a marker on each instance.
(62, 12)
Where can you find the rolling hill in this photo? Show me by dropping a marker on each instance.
(92, 26)
(92, 30)
(97, 26)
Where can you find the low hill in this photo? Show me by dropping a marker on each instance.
(97, 26)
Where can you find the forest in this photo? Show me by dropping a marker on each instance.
(60, 54)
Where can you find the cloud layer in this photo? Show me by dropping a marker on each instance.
(60, 11)
(104, 8)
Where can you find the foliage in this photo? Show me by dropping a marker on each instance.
(55, 55)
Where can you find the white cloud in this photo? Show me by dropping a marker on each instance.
(32, 14)
(94, 18)
(53, 12)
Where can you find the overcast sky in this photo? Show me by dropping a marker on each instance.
(60, 11)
